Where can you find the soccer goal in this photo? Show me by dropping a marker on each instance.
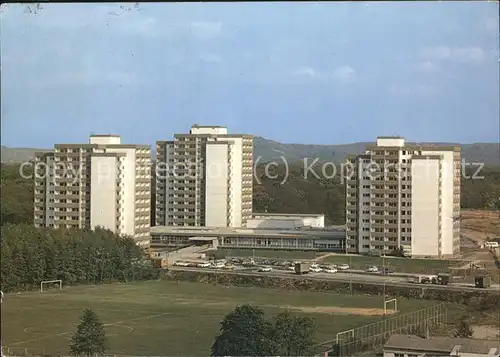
(48, 283)
(387, 302)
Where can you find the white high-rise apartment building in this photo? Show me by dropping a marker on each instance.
(103, 183)
(204, 178)
(404, 196)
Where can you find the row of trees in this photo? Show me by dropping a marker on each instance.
(30, 255)
(248, 332)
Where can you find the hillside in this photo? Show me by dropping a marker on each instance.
(487, 153)
(268, 150)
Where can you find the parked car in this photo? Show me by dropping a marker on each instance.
(265, 269)
(344, 266)
(315, 269)
(330, 270)
(372, 269)
(204, 265)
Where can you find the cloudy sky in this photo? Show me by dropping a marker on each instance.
(324, 73)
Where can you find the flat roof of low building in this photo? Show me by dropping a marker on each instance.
(206, 239)
(298, 215)
(208, 232)
(441, 344)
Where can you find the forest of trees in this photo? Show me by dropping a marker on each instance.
(31, 255)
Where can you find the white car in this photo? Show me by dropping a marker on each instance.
(265, 269)
(292, 268)
(330, 270)
(373, 269)
(315, 269)
(204, 265)
(343, 266)
(314, 266)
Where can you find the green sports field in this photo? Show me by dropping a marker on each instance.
(168, 318)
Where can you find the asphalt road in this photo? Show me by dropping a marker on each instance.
(367, 278)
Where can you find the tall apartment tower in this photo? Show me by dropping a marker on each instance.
(404, 196)
(103, 183)
(204, 178)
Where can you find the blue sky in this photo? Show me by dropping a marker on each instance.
(322, 73)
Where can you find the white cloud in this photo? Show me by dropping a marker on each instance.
(426, 67)
(205, 29)
(344, 73)
(306, 71)
(460, 54)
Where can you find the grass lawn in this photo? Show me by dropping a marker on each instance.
(266, 253)
(164, 318)
(404, 265)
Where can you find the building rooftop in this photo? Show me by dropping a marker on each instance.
(336, 232)
(291, 215)
(443, 344)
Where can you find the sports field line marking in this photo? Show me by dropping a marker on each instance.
(108, 324)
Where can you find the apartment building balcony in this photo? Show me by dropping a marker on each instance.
(65, 205)
(391, 208)
(352, 216)
(352, 199)
(352, 235)
(391, 225)
(377, 216)
(40, 221)
(352, 224)
(391, 199)
(142, 205)
(379, 235)
(183, 206)
(377, 199)
(67, 154)
(390, 235)
(377, 156)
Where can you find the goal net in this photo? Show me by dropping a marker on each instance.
(46, 285)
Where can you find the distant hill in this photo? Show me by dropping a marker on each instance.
(268, 150)
(18, 155)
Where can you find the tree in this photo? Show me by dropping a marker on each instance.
(89, 338)
(463, 328)
(244, 332)
(293, 335)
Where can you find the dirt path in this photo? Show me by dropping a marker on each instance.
(485, 332)
(321, 257)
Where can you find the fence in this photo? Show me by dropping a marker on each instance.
(374, 335)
